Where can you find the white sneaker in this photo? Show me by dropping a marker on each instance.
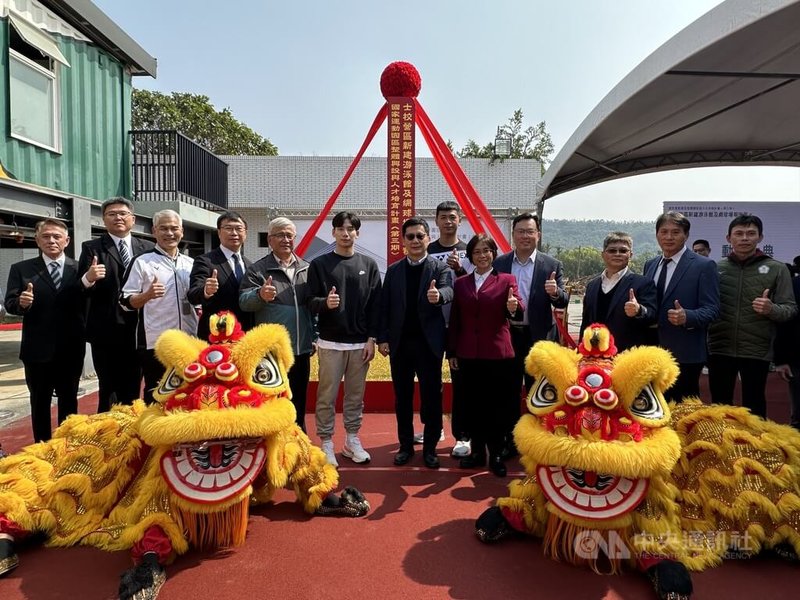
(330, 455)
(461, 449)
(354, 450)
(420, 437)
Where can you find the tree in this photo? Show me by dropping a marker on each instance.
(533, 142)
(195, 117)
(581, 262)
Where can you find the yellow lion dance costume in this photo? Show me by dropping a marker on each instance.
(617, 476)
(183, 472)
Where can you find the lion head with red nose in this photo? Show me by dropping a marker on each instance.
(218, 403)
(597, 433)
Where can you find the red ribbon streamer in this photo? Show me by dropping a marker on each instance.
(312, 231)
(465, 183)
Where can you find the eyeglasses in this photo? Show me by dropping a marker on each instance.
(526, 231)
(415, 236)
(283, 235)
(617, 250)
(234, 229)
(118, 213)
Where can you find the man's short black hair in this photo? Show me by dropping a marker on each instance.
(230, 215)
(524, 217)
(342, 216)
(414, 221)
(745, 220)
(447, 206)
(674, 217)
(116, 200)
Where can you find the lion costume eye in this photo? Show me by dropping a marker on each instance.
(647, 405)
(170, 383)
(543, 396)
(267, 373)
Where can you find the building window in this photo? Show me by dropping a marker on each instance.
(263, 239)
(34, 102)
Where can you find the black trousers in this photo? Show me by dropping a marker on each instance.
(61, 375)
(119, 374)
(687, 384)
(298, 383)
(490, 389)
(458, 416)
(414, 357)
(152, 371)
(521, 341)
(722, 372)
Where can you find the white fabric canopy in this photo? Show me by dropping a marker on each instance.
(724, 91)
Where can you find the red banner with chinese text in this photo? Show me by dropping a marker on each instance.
(400, 201)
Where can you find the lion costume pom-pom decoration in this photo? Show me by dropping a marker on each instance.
(178, 474)
(616, 476)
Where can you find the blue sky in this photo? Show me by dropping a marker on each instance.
(305, 74)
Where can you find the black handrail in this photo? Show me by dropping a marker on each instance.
(168, 166)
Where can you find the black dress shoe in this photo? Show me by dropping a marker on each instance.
(431, 461)
(497, 466)
(473, 461)
(402, 457)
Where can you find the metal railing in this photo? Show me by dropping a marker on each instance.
(168, 166)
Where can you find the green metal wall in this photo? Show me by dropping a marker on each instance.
(95, 119)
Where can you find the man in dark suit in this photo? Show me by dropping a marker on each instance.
(412, 333)
(619, 298)
(47, 292)
(687, 301)
(214, 282)
(541, 287)
(110, 330)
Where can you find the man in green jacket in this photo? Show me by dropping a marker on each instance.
(755, 294)
(275, 288)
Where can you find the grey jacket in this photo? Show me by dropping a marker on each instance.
(290, 306)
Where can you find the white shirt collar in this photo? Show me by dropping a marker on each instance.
(414, 263)
(675, 258)
(608, 282)
(228, 252)
(530, 260)
(117, 240)
(60, 260)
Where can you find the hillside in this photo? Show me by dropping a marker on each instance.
(567, 233)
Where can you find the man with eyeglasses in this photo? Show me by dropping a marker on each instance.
(755, 295)
(412, 334)
(345, 288)
(216, 275)
(619, 298)
(110, 330)
(275, 290)
(541, 286)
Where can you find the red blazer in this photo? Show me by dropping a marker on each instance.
(479, 320)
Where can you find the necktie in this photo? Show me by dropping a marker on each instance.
(662, 280)
(237, 269)
(124, 255)
(55, 274)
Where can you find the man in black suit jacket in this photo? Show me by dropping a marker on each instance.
(619, 298)
(412, 333)
(540, 281)
(47, 293)
(214, 282)
(110, 330)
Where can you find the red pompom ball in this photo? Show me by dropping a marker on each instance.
(400, 79)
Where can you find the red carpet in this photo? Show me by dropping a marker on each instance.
(417, 542)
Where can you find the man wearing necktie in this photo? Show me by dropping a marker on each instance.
(110, 330)
(214, 282)
(47, 293)
(687, 288)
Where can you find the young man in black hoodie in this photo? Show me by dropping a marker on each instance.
(345, 288)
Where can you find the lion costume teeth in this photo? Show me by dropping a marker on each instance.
(181, 472)
(617, 476)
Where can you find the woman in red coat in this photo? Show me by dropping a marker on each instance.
(479, 346)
